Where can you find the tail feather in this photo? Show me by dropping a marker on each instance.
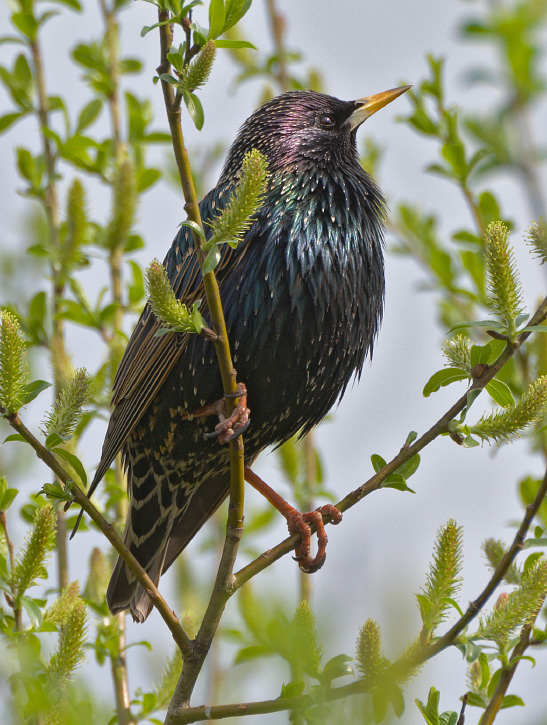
(159, 544)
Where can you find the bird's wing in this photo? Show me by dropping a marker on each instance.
(148, 359)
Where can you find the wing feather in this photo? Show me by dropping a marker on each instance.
(149, 359)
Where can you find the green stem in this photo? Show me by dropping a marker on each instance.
(119, 676)
(17, 613)
(79, 497)
(496, 701)
(62, 368)
(277, 30)
(112, 39)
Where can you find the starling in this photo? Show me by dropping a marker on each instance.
(303, 298)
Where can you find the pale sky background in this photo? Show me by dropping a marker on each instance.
(383, 548)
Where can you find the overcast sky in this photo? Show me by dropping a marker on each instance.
(360, 48)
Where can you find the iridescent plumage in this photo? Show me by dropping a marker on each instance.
(302, 296)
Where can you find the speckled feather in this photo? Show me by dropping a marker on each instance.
(302, 296)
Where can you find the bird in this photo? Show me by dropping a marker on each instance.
(303, 297)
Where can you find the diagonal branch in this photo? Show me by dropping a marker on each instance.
(179, 635)
(400, 669)
(406, 453)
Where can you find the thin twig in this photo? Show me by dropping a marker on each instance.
(62, 367)
(17, 613)
(399, 670)
(277, 30)
(506, 676)
(500, 572)
(167, 614)
(119, 676)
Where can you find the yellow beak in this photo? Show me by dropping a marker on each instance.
(369, 105)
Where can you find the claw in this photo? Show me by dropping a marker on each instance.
(229, 428)
(299, 523)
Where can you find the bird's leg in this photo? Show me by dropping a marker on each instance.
(231, 426)
(299, 523)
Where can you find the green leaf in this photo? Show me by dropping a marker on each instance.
(409, 468)
(211, 261)
(33, 390)
(88, 114)
(217, 18)
(292, 689)
(26, 23)
(494, 324)
(377, 462)
(7, 497)
(10, 118)
(195, 109)
(234, 44)
(379, 706)
(475, 700)
(470, 442)
(534, 328)
(501, 393)
(442, 378)
(253, 652)
(235, 10)
(338, 667)
(75, 462)
(527, 544)
(194, 227)
(53, 440)
(33, 610)
(480, 354)
(511, 701)
(397, 482)
(15, 437)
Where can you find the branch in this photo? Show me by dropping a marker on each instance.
(223, 584)
(375, 482)
(219, 712)
(475, 606)
(17, 613)
(400, 669)
(506, 676)
(278, 31)
(167, 614)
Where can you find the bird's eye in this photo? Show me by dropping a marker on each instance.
(326, 121)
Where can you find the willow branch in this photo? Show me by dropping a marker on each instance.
(219, 712)
(375, 482)
(223, 584)
(57, 347)
(506, 676)
(118, 668)
(500, 572)
(17, 613)
(167, 614)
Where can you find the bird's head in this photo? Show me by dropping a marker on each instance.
(305, 128)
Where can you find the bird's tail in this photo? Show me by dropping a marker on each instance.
(125, 592)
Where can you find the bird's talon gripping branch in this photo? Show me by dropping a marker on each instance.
(299, 523)
(229, 428)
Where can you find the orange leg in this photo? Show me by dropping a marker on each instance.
(298, 523)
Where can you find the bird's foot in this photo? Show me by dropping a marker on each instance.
(299, 522)
(232, 426)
